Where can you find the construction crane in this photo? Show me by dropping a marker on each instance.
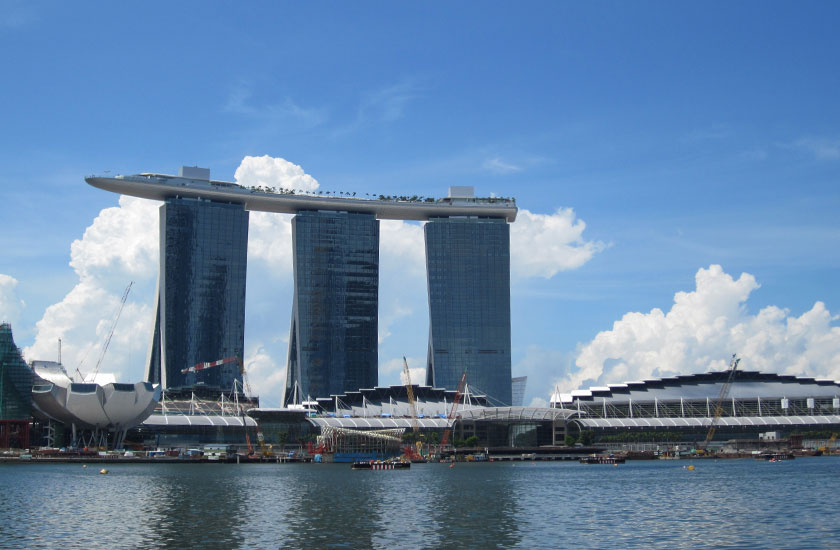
(410, 391)
(452, 411)
(724, 392)
(198, 367)
(829, 445)
(110, 332)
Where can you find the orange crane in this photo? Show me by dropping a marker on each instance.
(411, 451)
(724, 392)
(452, 411)
(410, 391)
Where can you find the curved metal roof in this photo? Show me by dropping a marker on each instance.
(514, 414)
(112, 406)
(161, 187)
(705, 422)
(745, 385)
(194, 420)
(377, 423)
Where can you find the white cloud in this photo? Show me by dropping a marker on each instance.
(821, 148)
(538, 402)
(541, 245)
(119, 246)
(270, 240)
(121, 239)
(497, 166)
(279, 114)
(701, 331)
(269, 234)
(273, 172)
(10, 305)
(392, 371)
(264, 375)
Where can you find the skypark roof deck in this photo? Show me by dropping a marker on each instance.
(162, 187)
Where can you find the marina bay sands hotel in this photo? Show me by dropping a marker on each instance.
(334, 328)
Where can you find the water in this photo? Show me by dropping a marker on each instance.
(647, 504)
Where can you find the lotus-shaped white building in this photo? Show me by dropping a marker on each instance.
(93, 409)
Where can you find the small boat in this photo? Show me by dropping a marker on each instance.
(380, 465)
(602, 460)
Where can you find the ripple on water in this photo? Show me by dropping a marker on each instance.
(734, 504)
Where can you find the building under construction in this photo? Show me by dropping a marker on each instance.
(15, 393)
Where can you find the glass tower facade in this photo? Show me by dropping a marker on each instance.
(15, 379)
(468, 274)
(518, 385)
(201, 294)
(334, 331)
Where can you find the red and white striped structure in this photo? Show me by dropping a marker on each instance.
(201, 366)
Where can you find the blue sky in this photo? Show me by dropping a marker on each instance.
(684, 136)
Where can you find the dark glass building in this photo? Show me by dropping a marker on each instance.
(15, 379)
(334, 331)
(468, 269)
(15, 393)
(201, 294)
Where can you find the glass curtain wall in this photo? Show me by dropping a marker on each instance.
(468, 274)
(201, 294)
(334, 330)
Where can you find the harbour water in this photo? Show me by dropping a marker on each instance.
(741, 503)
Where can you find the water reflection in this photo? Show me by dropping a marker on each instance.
(734, 504)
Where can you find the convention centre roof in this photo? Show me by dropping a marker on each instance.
(705, 422)
(745, 385)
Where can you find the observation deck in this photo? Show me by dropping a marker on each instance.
(162, 187)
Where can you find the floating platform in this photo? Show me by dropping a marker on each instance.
(602, 460)
(775, 457)
(380, 465)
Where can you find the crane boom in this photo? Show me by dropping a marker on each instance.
(724, 392)
(206, 365)
(410, 391)
(111, 331)
(452, 411)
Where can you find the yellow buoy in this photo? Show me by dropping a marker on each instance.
(103, 471)
(691, 467)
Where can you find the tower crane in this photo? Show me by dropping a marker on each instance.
(110, 332)
(410, 391)
(246, 388)
(198, 367)
(724, 392)
(452, 411)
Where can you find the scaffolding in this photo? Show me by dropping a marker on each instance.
(350, 441)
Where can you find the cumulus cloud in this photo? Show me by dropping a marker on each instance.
(275, 172)
(392, 371)
(120, 245)
(265, 376)
(10, 305)
(270, 240)
(121, 239)
(269, 234)
(542, 245)
(701, 331)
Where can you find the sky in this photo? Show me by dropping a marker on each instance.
(676, 166)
